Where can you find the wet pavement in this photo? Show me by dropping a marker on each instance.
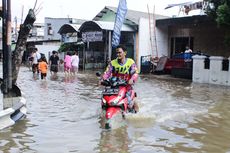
(175, 115)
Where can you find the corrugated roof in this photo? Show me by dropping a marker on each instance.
(110, 26)
(106, 25)
(70, 28)
(131, 15)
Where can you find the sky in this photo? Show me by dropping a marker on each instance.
(86, 9)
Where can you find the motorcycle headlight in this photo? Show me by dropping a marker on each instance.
(115, 101)
(103, 100)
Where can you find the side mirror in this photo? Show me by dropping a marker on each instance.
(98, 74)
(132, 72)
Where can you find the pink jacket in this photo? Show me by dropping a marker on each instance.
(67, 61)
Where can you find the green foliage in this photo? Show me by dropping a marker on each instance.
(220, 11)
(69, 47)
(223, 15)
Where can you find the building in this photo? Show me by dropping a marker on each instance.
(97, 33)
(97, 38)
(52, 26)
(70, 31)
(37, 32)
(138, 42)
(199, 32)
(45, 36)
(171, 34)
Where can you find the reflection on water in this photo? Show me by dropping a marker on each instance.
(175, 116)
(116, 140)
(15, 139)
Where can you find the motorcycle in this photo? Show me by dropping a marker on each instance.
(114, 101)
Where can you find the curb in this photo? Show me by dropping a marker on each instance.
(10, 116)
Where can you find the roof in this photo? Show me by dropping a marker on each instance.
(104, 25)
(190, 20)
(110, 26)
(70, 20)
(131, 15)
(69, 28)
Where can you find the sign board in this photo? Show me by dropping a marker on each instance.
(92, 36)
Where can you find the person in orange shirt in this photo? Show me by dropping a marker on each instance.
(43, 67)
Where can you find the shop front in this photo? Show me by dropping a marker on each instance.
(96, 36)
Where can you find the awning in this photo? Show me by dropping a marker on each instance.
(103, 25)
(69, 28)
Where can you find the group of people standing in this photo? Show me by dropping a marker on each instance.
(71, 63)
(40, 64)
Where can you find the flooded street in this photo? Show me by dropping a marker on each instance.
(175, 116)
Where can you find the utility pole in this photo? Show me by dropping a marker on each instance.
(16, 28)
(7, 54)
(22, 14)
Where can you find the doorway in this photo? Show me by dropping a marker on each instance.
(178, 44)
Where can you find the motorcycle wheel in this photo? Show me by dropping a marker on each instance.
(116, 121)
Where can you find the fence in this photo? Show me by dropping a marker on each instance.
(212, 70)
(14, 109)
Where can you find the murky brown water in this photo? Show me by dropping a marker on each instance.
(175, 116)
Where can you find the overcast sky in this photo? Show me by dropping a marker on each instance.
(87, 9)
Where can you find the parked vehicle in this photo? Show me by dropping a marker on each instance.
(180, 65)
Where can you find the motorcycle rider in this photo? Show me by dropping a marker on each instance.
(124, 68)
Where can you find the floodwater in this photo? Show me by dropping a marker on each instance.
(175, 115)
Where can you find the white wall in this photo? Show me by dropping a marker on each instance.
(214, 75)
(162, 41)
(144, 40)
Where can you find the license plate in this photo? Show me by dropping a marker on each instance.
(110, 91)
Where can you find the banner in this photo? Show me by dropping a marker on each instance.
(189, 6)
(179, 4)
(121, 13)
(193, 6)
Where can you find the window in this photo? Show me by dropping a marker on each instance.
(50, 30)
(225, 65)
(206, 63)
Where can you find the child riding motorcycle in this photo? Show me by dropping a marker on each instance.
(124, 68)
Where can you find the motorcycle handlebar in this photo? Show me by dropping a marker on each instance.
(113, 81)
(119, 82)
(105, 83)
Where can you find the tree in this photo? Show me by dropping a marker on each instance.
(14, 64)
(21, 43)
(220, 11)
(22, 40)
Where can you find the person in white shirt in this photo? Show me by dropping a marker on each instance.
(75, 62)
(188, 57)
(36, 56)
(187, 50)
